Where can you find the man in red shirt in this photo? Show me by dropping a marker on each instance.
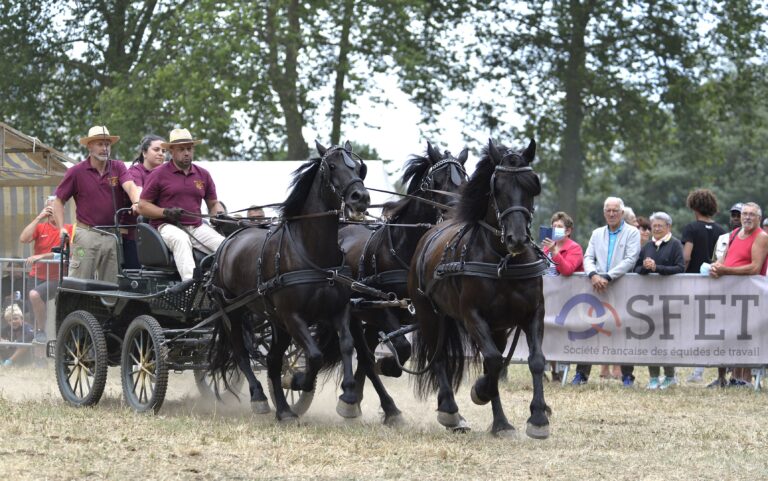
(96, 184)
(43, 279)
(174, 189)
(747, 255)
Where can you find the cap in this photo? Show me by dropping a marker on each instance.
(737, 207)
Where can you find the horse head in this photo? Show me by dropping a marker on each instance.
(445, 175)
(343, 173)
(513, 187)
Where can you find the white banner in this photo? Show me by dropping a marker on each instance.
(685, 319)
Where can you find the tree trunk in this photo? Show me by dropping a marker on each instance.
(285, 81)
(571, 170)
(342, 68)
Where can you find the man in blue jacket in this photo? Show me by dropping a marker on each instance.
(612, 252)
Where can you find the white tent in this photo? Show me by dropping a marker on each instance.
(240, 184)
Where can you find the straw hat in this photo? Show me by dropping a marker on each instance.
(97, 133)
(180, 137)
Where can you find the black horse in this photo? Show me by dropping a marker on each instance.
(473, 280)
(291, 268)
(380, 258)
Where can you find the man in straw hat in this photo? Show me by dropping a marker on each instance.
(171, 198)
(96, 186)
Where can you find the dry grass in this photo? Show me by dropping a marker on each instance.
(600, 431)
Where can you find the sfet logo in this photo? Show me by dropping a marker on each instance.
(647, 314)
(597, 309)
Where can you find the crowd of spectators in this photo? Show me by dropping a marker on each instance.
(630, 243)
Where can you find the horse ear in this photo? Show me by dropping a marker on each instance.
(348, 146)
(432, 154)
(530, 152)
(320, 149)
(463, 156)
(495, 155)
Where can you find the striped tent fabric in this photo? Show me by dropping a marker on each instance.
(29, 173)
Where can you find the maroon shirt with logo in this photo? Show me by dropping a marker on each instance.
(96, 195)
(167, 186)
(138, 174)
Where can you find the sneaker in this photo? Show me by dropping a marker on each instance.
(668, 382)
(739, 383)
(628, 380)
(653, 383)
(718, 383)
(578, 379)
(40, 337)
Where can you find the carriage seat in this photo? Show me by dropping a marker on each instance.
(154, 253)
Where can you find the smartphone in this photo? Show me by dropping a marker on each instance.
(545, 233)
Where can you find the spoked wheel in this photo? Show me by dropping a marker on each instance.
(143, 365)
(294, 361)
(81, 359)
(209, 384)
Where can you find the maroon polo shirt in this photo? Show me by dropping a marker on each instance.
(138, 174)
(167, 186)
(93, 192)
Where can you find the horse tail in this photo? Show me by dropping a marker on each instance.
(221, 355)
(439, 340)
(327, 340)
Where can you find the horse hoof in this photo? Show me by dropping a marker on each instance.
(395, 421)
(475, 398)
(348, 411)
(537, 432)
(260, 407)
(288, 420)
(453, 422)
(509, 433)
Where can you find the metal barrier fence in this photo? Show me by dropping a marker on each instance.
(37, 307)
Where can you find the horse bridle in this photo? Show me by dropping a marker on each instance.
(341, 193)
(428, 181)
(515, 208)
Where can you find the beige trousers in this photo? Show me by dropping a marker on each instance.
(93, 255)
(179, 240)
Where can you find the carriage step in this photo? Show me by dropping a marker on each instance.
(50, 349)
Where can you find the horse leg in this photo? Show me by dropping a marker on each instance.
(365, 358)
(259, 403)
(486, 388)
(538, 423)
(347, 405)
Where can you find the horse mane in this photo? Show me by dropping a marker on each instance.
(416, 167)
(473, 203)
(303, 177)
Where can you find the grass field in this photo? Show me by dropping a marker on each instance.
(599, 431)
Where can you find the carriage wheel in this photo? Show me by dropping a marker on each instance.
(209, 384)
(81, 359)
(143, 365)
(294, 361)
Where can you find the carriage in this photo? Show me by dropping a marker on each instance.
(149, 324)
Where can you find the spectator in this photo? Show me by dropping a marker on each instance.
(721, 246)
(611, 253)
(663, 255)
(151, 155)
(15, 330)
(174, 189)
(644, 226)
(255, 212)
(629, 216)
(700, 236)
(93, 184)
(746, 255)
(43, 279)
(567, 255)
